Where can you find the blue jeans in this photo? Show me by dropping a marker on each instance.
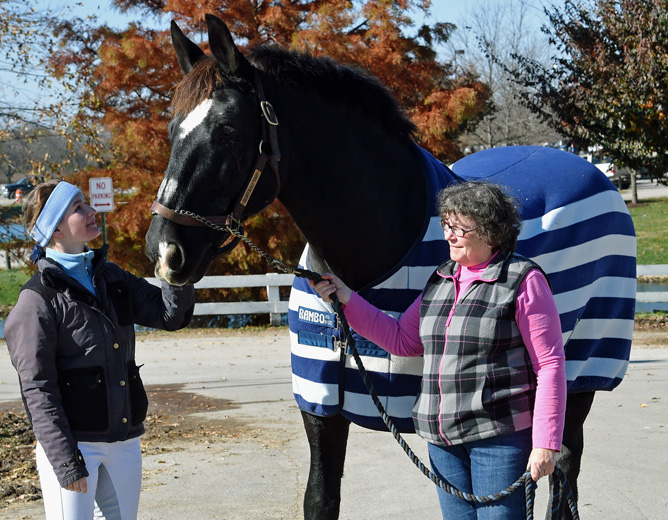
(483, 467)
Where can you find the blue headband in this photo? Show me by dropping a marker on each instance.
(53, 211)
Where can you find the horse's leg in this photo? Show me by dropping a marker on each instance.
(577, 409)
(327, 437)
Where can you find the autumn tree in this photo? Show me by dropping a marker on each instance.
(607, 84)
(36, 138)
(130, 75)
(487, 36)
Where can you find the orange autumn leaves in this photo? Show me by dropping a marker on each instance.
(129, 77)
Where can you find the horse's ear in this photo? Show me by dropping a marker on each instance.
(187, 53)
(223, 47)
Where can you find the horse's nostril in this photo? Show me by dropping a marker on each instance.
(175, 259)
(171, 257)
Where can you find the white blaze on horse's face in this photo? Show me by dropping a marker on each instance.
(195, 118)
(168, 187)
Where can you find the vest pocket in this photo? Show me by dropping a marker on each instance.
(83, 393)
(138, 397)
(508, 392)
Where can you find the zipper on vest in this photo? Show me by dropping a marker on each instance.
(455, 301)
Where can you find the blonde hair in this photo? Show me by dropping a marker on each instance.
(35, 202)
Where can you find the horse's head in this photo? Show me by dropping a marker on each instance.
(223, 134)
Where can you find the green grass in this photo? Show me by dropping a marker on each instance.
(11, 281)
(650, 218)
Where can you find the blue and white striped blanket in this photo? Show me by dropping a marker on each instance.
(575, 226)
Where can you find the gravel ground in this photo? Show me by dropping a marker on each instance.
(186, 420)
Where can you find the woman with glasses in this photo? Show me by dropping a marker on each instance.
(493, 392)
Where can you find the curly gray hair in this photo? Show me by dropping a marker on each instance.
(494, 212)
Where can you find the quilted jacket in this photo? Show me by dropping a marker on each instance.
(75, 355)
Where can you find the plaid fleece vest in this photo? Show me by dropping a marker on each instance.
(482, 384)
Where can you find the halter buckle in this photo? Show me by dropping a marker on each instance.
(269, 113)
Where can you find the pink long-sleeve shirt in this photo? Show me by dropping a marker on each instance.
(537, 319)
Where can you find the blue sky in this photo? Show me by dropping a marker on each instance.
(455, 10)
(103, 9)
(441, 10)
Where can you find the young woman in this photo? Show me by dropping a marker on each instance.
(493, 392)
(71, 339)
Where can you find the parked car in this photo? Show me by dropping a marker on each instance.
(9, 190)
(621, 176)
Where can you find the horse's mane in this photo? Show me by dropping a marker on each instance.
(344, 84)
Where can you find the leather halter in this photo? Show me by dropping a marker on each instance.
(234, 220)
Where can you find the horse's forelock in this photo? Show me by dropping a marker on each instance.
(197, 86)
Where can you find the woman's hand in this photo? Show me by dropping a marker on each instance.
(329, 285)
(79, 486)
(541, 462)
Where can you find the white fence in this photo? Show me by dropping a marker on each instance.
(272, 281)
(275, 307)
(652, 270)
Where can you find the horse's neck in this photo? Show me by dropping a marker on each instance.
(354, 190)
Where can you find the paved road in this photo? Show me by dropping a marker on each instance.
(261, 474)
(646, 190)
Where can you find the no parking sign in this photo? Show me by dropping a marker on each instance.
(101, 190)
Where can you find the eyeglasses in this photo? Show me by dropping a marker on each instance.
(455, 230)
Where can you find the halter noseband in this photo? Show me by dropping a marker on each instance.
(233, 222)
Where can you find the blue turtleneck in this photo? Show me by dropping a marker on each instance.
(79, 266)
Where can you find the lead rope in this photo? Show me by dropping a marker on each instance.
(560, 483)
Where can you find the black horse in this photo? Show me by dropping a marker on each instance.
(344, 164)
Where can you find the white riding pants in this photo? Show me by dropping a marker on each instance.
(114, 483)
